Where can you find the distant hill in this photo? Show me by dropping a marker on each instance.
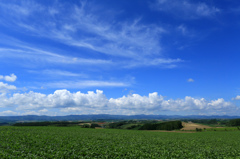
(106, 117)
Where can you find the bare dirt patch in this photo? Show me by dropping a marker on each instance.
(193, 126)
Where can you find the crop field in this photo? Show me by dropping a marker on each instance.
(75, 142)
(193, 126)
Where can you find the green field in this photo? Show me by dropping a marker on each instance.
(75, 142)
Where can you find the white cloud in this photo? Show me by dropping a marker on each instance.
(190, 80)
(39, 56)
(185, 8)
(59, 99)
(37, 112)
(18, 11)
(165, 63)
(4, 87)
(10, 78)
(85, 84)
(55, 72)
(8, 113)
(127, 39)
(182, 29)
(61, 73)
(31, 113)
(97, 102)
(219, 104)
(43, 111)
(236, 98)
(27, 112)
(123, 42)
(153, 102)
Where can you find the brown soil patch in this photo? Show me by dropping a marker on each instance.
(193, 126)
(98, 128)
(85, 123)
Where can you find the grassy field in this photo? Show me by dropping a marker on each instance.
(75, 142)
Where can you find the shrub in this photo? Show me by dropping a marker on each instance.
(198, 129)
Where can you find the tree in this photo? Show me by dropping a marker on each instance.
(85, 126)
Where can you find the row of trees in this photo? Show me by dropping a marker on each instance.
(234, 122)
(93, 125)
(205, 121)
(117, 125)
(171, 125)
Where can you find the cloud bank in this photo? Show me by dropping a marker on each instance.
(96, 102)
(66, 102)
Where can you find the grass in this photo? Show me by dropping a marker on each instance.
(75, 142)
(223, 129)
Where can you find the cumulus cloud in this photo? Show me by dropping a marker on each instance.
(8, 113)
(10, 78)
(190, 80)
(4, 87)
(96, 102)
(59, 99)
(236, 98)
(43, 111)
(27, 112)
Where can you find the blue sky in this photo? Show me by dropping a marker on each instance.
(119, 57)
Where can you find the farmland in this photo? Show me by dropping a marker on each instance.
(193, 126)
(76, 142)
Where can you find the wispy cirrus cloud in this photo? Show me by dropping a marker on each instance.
(55, 72)
(85, 84)
(162, 62)
(37, 55)
(185, 9)
(127, 42)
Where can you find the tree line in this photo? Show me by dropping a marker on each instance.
(170, 125)
(234, 122)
